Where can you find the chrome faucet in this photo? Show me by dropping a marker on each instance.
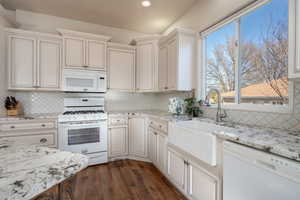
(221, 113)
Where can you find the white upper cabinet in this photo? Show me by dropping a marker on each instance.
(121, 67)
(96, 54)
(172, 65)
(33, 60)
(177, 60)
(74, 52)
(49, 63)
(84, 50)
(163, 68)
(294, 40)
(147, 64)
(21, 62)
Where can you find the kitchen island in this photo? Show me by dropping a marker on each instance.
(34, 172)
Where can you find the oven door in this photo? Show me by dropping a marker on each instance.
(84, 138)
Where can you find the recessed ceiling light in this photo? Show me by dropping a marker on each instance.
(146, 3)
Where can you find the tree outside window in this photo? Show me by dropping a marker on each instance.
(252, 66)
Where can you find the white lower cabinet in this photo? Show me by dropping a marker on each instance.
(201, 185)
(152, 145)
(138, 137)
(190, 178)
(118, 141)
(30, 132)
(176, 169)
(161, 151)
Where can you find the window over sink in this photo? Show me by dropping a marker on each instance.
(247, 56)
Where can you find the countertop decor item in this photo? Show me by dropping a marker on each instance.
(12, 106)
(193, 107)
(176, 106)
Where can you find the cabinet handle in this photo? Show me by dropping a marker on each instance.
(85, 66)
(43, 140)
(43, 125)
(12, 127)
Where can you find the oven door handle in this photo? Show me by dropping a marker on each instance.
(98, 122)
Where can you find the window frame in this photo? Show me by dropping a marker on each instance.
(235, 18)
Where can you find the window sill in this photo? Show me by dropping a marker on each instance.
(256, 108)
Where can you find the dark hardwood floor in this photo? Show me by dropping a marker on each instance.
(124, 180)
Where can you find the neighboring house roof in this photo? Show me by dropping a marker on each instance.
(261, 90)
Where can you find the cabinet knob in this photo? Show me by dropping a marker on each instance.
(85, 66)
(43, 125)
(43, 140)
(12, 127)
(166, 88)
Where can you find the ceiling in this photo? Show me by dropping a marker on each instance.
(127, 14)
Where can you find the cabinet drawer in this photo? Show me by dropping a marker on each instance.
(27, 126)
(46, 139)
(118, 121)
(159, 125)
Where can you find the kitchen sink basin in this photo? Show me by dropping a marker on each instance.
(196, 138)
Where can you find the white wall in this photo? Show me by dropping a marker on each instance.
(206, 13)
(46, 23)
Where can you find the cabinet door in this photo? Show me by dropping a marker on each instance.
(118, 142)
(74, 52)
(152, 136)
(172, 65)
(161, 151)
(22, 62)
(145, 67)
(138, 137)
(121, 70)
(163, 68)
(176, 169)
(96, 55)
(201, 185)
(49, 64)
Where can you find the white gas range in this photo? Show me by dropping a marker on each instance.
(83, 128)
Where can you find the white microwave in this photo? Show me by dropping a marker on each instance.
(84, 81)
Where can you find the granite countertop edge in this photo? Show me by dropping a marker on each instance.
(285, 152)
(28, 171)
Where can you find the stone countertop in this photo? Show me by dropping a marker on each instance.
(29, 117)
(279, 142)
(158, 114)
(27, 171)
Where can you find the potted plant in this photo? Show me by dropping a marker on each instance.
(193, 107)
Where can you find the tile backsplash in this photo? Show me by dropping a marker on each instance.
(265, 119)
(48, 102)
(52, 102)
